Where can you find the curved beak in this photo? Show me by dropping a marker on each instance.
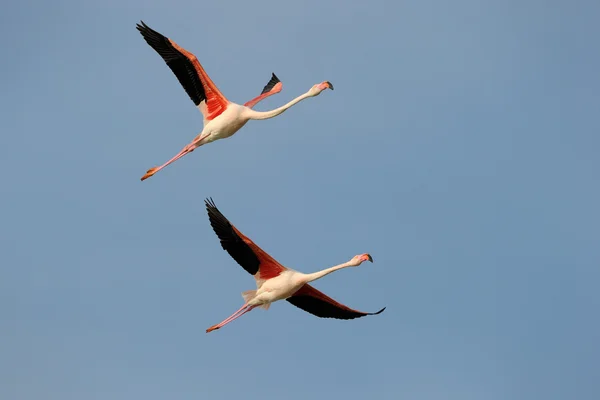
(367, 257)
(329, 85)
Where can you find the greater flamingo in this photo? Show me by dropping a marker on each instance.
(274, 281)
(221, 117)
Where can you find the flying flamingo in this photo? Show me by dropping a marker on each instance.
(274, 281)
(221, 117)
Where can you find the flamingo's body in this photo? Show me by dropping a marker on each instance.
(275, 282)
(221, 117)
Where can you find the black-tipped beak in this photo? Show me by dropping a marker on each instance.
(329, 84)
(370, 258)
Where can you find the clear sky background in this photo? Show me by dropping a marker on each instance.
(459, 148)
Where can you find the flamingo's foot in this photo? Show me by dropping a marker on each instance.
(150, 172)
(212, 328)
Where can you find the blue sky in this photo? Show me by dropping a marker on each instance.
(459, 148)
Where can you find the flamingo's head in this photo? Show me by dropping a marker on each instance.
(318, 88)
(359, 259)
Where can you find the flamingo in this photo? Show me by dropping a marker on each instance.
(275, 282)
(221, 117)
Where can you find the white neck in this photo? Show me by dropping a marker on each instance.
(252, 114)
(318, 275)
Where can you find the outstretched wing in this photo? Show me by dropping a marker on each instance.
(243, 250)
(317, 303)
(272, 87)
(188, 71)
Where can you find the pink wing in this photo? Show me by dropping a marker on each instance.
(318, 303)
(272, 87)
(243, 250)
(188, 71)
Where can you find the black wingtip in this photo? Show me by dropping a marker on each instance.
(271, 84)
(209, 203)
(144, 29)
(213, 212)
(141, 26)
(379, 312)
(147, 32)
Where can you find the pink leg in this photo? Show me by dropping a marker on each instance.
(197, 142)
(245, 308)
(230, 318)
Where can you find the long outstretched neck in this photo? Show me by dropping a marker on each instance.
(252, 114)
(318, 275)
